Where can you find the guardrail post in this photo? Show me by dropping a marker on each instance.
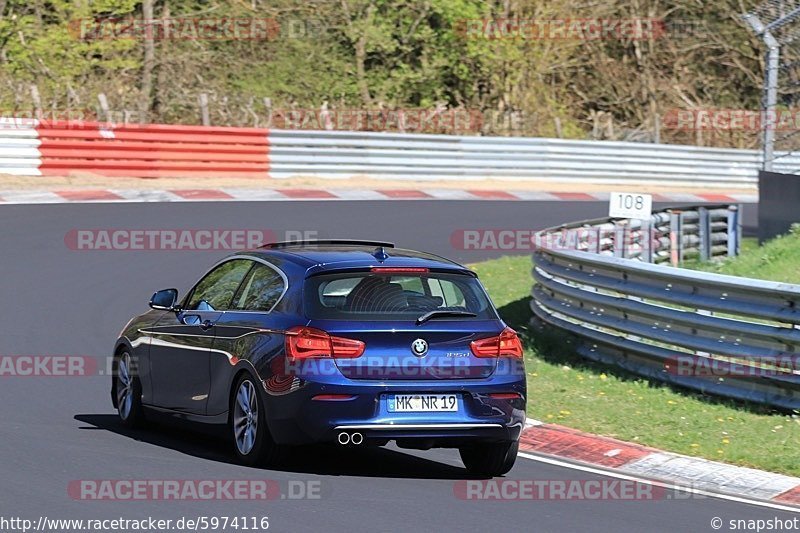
(734, 230)
(704, 232)
(597, 245)
(646, 240)
(619, 240)
(675, 238)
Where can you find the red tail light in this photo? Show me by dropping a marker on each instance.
(507, 344)
(504, 395)
(333, 397)
(303, 342)
(346, 348)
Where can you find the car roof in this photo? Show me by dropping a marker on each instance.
(315, 258)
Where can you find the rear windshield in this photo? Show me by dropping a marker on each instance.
(368, 296)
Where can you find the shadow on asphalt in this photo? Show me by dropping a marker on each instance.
(368, 461)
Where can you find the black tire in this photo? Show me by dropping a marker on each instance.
(492, 459)
(263, 451)
(128, 390)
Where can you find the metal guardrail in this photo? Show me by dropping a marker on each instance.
(669, 236)
(340, 154)
(723, 335)
(30, 147)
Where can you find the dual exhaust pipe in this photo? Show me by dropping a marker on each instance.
(346, 438)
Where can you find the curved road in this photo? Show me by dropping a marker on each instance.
(60, 429)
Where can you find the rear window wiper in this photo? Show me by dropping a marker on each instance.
(435, 314)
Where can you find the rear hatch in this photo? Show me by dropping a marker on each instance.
(438, 349)
(415, 324)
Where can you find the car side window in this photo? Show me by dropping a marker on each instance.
(261, 289)
(216, 290)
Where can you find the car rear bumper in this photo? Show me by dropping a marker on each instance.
(299, 418)
(430, 435)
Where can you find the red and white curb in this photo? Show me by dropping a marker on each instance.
(249, 195)
(650, 463)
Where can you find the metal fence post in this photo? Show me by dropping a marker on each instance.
(675, 238)
(598, 246)
(704, 231)
(771, 102)
(619, 240)
(734, 230)
(770, 99)
(647, 240)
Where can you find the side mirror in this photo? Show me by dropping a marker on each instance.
(165, 300)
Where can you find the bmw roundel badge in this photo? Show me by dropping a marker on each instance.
(419, 347)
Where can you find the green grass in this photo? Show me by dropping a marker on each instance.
(566, 389)
(777, 260)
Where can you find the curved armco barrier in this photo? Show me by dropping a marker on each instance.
(723, 335)
(671, 235)
(28, 147)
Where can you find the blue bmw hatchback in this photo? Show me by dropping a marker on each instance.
(353, 343)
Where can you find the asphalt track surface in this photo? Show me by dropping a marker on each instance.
(60, 429)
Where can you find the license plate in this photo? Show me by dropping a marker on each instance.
(422, 403)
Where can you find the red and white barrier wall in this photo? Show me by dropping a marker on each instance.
(19, 147)
(29, 147)
(34, 148)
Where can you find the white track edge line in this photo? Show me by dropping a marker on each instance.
(674, 486)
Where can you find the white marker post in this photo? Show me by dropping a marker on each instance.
(632, 206)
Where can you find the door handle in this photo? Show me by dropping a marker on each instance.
(206, 324)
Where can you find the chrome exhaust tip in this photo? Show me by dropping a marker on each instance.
(343, 438)
(356, 438)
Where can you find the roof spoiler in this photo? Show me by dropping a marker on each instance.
(327, 242)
